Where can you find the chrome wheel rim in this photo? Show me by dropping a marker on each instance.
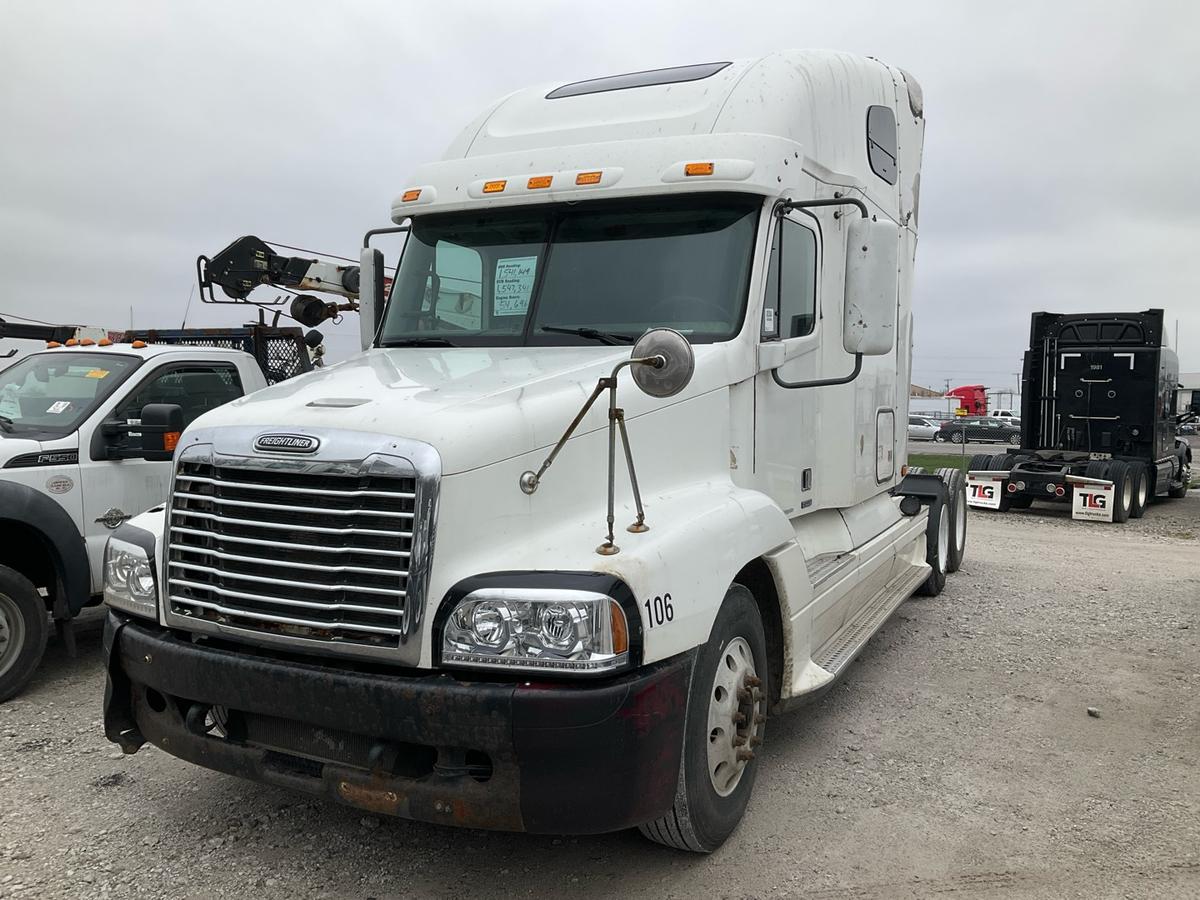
(735, 716)
(12, 633)
(1143, 490)
(960, 524)
(1127, 491)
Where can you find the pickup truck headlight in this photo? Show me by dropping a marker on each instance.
(130, 584)
(550, 630)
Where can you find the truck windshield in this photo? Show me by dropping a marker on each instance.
(53, 392)
(575, 274)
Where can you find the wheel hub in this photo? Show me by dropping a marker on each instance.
(736, 713)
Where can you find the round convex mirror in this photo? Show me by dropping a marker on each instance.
(678, 362)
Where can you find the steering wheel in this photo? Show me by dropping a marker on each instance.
(693, 301)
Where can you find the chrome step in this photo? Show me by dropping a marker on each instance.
(823, 566)
(840, 650)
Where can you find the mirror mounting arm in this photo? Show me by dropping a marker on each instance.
(823, 382)
(788, 205)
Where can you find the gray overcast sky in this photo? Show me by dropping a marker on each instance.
(1059, 167)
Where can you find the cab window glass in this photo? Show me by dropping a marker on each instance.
(195, 389)
(795, 301)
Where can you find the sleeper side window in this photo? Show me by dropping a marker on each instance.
(881, 142)
(794, 303)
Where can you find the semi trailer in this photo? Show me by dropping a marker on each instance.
(616, 478)
(1098, 422)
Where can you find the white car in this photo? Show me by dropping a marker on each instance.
(921, 429)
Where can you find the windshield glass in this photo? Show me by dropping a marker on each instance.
(54, 392)
(573, 274)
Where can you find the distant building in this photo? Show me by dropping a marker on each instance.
(1189, 394)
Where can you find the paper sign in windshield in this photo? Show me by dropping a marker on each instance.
(59, 406)
(514, 285)
(97, 373)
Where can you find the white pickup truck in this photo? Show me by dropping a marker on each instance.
(405, 582)
(72, 469)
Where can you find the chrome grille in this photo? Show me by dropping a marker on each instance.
(316, 556)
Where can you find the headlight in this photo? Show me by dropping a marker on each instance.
(129, 581)
(536, 628)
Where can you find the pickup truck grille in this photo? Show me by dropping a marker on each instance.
(320, 557)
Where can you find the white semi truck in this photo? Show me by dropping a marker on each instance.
(427, 582)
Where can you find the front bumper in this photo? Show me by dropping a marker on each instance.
(517, 756)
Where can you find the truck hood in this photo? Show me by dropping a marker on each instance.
(476, 406)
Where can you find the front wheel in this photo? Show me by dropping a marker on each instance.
(726, 717)
(1015, 440)
(939, 438)
(24, 627)
(957, 437)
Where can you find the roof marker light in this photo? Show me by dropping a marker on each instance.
(87, 342)
(104, 342)
(52, 345)
(539, 181)
(494, 187)
(699, 168)
(72, 342)
(410, 196)
(588, 177)
(138, 345)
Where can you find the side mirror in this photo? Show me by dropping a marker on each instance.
(162, 424)
(663, 362)
(872, 263)
(370, 294)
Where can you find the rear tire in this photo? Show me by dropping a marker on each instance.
(978, 462)
(1141, 491)
(714, 784)
(1002, 462)
(24, 628)
(1121, 475)
(956, 487)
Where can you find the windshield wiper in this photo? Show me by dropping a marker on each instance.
(6, 423)
(594, 334)
(418, 342)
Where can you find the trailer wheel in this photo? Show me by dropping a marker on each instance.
(1141, 491)
(937, 549)
(24, 627)
(726, 715)
(1121, 475)
(978, 462)
(956, 488)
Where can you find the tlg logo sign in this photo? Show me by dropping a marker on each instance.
(983, 490)
(1093, 502)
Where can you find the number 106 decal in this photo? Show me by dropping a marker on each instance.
(659, 611)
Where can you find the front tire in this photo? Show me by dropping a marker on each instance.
(939, 438)
(726, 717)
(937, 549)
(1141, 492)
(24, 628)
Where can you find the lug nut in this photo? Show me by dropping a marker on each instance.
(745, 755)
(755, 741)
(739, 718)
(753, 681)
(739, 740)
(743, 695)
(759, 718)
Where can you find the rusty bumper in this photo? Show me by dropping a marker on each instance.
(519, 756)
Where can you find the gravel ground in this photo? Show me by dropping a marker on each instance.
(958, 757)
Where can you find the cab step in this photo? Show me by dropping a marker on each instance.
(847, 642)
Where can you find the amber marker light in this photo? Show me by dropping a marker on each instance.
(494, 187)
(171, 441)
(703, 168)
(538, 182)
(104, 342)
(588, 177)
(87, 342)
(52, 345)
(410, 196)
(138, 345)
(620, 628)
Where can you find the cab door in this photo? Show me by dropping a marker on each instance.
(786, 421)
(116, 483)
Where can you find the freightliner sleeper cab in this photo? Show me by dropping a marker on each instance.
(370, 584)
